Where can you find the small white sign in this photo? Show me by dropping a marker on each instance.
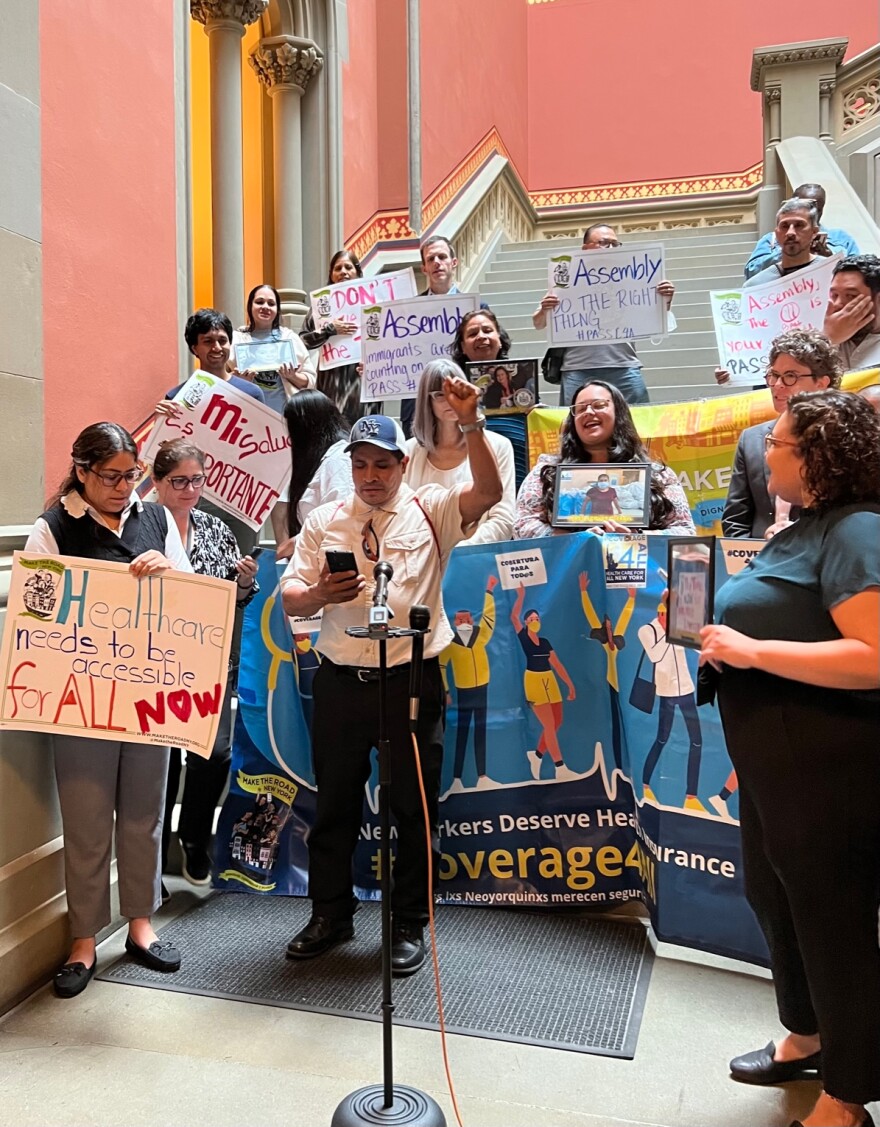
(522, 569)
(738, 550)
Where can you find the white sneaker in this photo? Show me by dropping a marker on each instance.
(535, 761)
(720, 807)
(565, 773)
(484, 783)
(457, 787)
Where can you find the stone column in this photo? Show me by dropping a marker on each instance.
(285, 65)
(826, 89)
(225, 21)
(770, 194)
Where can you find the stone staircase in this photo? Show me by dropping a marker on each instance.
(698, 259)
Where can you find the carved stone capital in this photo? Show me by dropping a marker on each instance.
(239, 11)
(819, 50)
(286, 61)
(827, 87)
(773, 94)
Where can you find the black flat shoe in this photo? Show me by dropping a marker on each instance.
(73, 978)
(319, 935)
(407, 949)
(759, 1067)
(158, 956)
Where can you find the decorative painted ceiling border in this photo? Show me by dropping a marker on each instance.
(393, 225)
(548, 202)
(390, 228)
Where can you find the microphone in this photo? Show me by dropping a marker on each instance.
(380, 612)
(419, 619)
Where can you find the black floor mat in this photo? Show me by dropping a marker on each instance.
(564, 981)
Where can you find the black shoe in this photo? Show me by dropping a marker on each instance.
(195, 864)
(166, 895)
(73, 978)
(158, 956)
(319, 935)
(407, 949)
(759, 1067)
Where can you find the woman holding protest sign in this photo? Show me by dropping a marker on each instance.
(264, 328)
(96, 515)
(480, 338)
(797, 648)
(599, 428)
(179, 477)
(342, 384)
(437, 452)
(321, 468)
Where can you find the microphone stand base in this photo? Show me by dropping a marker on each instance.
(366, 1106)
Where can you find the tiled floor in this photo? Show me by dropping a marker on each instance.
(125, 1055)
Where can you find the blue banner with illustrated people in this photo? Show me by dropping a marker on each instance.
(578, 770)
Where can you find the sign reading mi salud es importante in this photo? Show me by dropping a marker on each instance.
(246, 445)
(89, 650)
(607, 296)
(401, 337)
(748, 320)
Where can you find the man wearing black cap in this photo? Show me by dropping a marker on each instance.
(413, 532)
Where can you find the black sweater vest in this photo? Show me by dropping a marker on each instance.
(83, 536)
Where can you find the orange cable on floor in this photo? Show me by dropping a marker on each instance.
(434, 959)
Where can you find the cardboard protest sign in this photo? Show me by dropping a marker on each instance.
(747, 320)
(246, 445)
(344, 301)
(400, 337)
(89, 650)
(607, 295)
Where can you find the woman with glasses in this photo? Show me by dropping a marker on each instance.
(96, 515)
(797, 650)
(437, 452)
(800, 360)
(179, 477)
(599, 428)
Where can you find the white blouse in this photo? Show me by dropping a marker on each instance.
(497, 523)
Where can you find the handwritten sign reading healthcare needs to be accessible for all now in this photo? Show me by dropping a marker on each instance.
(607, 295)
(344, 302)
(246, 445)
(747, 320)
(401, 337)
(89, 650)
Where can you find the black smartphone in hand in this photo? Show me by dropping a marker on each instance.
(255, 552)
(341, 561)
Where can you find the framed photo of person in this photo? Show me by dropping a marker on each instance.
(595, 492)
(263, 355)
(691, 578)
(507, 387)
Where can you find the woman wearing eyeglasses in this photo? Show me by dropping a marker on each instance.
(800, 360)
(599, 428)
(179, 477)
(95, 515)
(437, 452)
(797, 647)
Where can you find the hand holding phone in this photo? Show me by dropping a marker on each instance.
(341, 561)
(339, 581)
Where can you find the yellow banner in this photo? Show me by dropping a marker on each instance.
(276, 785)
(696, 438)
(231, 874)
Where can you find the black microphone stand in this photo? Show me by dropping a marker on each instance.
(398, 1105)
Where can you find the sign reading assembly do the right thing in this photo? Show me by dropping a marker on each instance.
(607, 295)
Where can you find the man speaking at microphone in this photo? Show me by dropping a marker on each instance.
(413, 532)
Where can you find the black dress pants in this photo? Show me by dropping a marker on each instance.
(808, 762)
(344, 731)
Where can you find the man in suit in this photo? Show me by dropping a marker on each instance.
(800, 360)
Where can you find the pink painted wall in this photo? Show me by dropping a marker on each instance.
(636, 90)
(110, 328)
(360, 120)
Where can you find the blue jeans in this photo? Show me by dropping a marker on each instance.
(628, 381)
